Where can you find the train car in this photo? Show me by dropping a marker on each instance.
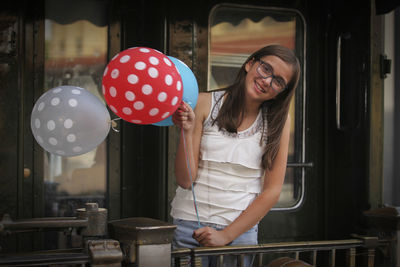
(345, 112)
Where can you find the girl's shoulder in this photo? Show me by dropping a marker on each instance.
(203, 105)
(206, 102)
(204, 97)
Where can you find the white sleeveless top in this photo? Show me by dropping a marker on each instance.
(229, 173)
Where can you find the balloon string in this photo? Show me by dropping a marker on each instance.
(114, 124)
(190, 176)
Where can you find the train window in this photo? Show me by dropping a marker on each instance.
(237, 31)
(75, 54)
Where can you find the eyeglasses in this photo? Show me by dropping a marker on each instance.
(265, 70)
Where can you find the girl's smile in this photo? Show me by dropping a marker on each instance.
(259, 88)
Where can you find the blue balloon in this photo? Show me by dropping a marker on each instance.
(190, 88)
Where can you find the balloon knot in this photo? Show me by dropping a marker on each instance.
(114, 124)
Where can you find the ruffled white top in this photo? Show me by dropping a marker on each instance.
(229, 172)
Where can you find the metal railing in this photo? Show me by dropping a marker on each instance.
(360, 248)
(146, 242)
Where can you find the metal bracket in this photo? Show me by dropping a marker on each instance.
(385, 65)
(104, 252)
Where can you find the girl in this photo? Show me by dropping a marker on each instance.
(236, 142)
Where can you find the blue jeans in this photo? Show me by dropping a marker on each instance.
(183, 239)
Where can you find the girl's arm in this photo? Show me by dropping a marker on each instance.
(191, 124)
(273, 181)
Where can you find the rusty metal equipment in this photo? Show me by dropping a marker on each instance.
(144, 241)
(91, 223)
(96, 218)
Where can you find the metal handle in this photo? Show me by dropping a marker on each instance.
(339, 97)
(300, 164)
(338, 68)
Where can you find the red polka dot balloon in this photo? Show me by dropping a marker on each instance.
(142, 85)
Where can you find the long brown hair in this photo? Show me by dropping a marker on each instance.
(274, 111)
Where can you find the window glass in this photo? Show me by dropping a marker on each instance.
(75, 54)
(235, 33)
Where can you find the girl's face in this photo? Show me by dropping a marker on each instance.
(277, 72)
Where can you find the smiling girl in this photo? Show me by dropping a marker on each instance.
(236, 141)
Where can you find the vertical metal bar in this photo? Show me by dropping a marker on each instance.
(314, 257)
(259, 259)
(220, 262)
(352, 257)
(297, 254)
(332, 260)
(371, 257)
(240, 260)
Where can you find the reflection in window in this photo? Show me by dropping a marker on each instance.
(235, 33)
(75, 54)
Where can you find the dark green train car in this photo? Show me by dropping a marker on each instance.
(343, 154)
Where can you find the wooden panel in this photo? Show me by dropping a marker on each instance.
(376, 115)
(143, 162)
(9, 113)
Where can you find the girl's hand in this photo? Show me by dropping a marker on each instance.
(210, 237)
(184, 117)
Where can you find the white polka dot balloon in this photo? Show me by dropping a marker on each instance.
(69, 121)
(141, 85)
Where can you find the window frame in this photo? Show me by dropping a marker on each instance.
(300, 104)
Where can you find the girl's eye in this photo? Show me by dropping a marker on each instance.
(267, 71)
(280, 82)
